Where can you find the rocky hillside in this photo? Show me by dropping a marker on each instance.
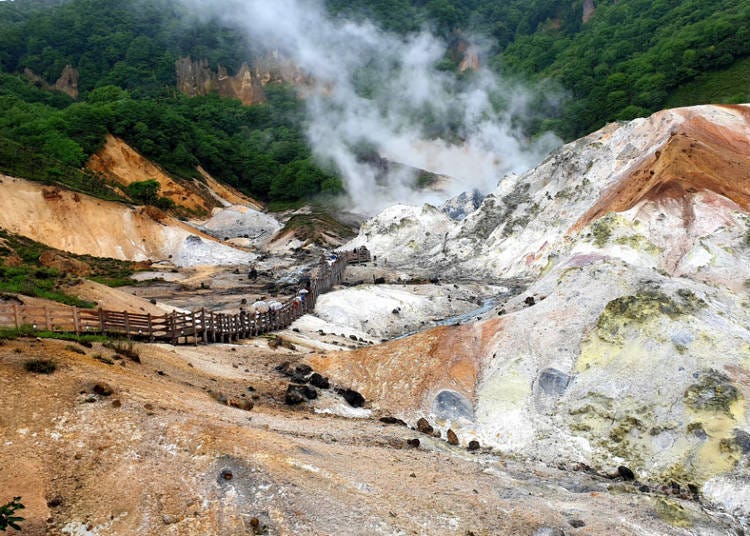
(75, 222)
(629, 345)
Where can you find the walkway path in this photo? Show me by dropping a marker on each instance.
(193, 327)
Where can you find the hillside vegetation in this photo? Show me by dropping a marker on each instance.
(627, 61)
(125, 53)
(631, 58)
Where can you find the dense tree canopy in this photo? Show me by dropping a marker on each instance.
(632, 58)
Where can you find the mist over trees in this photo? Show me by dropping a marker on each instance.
(632, 58)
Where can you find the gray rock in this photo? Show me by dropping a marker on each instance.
(450, 405)
(742, 439)
(553, 381)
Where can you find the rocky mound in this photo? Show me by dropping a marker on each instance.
(629, 346)
(239, 221)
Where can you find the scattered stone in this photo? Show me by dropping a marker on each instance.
(392, 420)
(220, 397)
(644, 489)
(436, 434)
(529, 301)
(452, 437)
(473, 445)
(625, 473)
(54, 502)
(319, 381)
(413, 442)
(243, 404)
(257, 526)
(576, 523)
(161, 373)
(227, 474)
(102, 389)
(169, 519)
(296, 394)
(116, 404)
(354, 399)
(395, 311)
(303, 369)
(424, 426)
(378, 280)
(353, 337)
(90, 399)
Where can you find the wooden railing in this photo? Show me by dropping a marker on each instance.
(196, 326)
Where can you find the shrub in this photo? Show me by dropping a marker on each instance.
(7, 517)
(125, 348)
(40, 366)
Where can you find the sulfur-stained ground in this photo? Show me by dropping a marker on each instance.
(160, 455)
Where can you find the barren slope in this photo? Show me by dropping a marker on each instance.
(160, 456)
(81, 224)
(118, 161)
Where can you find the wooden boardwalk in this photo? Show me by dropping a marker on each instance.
(193, 327)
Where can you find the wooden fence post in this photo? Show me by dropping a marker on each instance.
(101, 321)
(150, 327)
(203, 324)
(15, 317)
(195, 331)
(76, 321)
(127, 324)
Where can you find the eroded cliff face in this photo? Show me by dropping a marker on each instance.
(67, 83)
(197, 78)
(119, 162)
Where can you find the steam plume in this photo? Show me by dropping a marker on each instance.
(375, 92)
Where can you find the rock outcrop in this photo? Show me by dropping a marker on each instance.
(197, 78)
(67, 83)
(588, 10)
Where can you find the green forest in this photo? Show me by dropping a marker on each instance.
(125, 52)
(630, 59)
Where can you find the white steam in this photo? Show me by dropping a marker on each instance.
(373, 92)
